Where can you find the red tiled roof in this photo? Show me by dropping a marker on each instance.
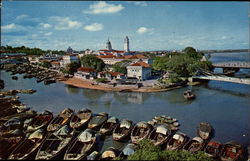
(55, 62)
(115, 73)
(86, 69)
(106, 56)
(141, 63)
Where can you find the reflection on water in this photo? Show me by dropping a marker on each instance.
(131, 97)
(72, 89)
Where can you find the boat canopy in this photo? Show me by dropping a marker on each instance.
(126, 123)
(162, 129)
(66, 112)
(97, 119)
(63, 131)
(112, 120)
(17, 132)
(205, 127)
(82, 114)
(108, 153)
(200, 140)
(12, 121)
(178, 137)
(38, 134)
(142, 124)
(129, 149)
(85, 136)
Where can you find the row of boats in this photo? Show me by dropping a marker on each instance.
(31, 71)
(75, 135)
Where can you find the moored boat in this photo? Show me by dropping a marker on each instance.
(109, 126)
(128, 150)
(9, 142)
(204, 130)
(110, 154)
(213, 149)
(55, 144)
(231, 151)
(194, 145)
(39, 121)
(189, 95)
(140, 131)
(160, 135)
(81, 119)
(123, 130)
(98, 120)
(28, 147)
(62, 119)
(81, 146)
(177, 141)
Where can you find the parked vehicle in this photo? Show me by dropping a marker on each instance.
(160, 135)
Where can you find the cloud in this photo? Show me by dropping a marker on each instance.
(93, 27)
(64, 23)
(103, 7)
(23, 16)
(48, 34)
(8, 27)
(45, 25)
(141, 3)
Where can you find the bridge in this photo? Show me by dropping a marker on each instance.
(242, 65)
(207, 75)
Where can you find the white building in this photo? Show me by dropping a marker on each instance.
(69, 58)
(126, 44)
(139, 70)
(86, 73)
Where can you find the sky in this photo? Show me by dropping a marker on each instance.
(150, 25)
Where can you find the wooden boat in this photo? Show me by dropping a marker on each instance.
(204, 130)
(49, 81)
(28, 147)
(123, 130)
(9, 142)
(231, 151)
(81, 146)
(92, 156)
(213, 149)
(110, 154)
(128, 150)
(62, 119)
(189, 95)
(55, 144)
(97, 120)
(177, 141)
(10, 125)
(159, 135)
(140, 131)
(39, 121)
(194, 145)
(109, 126)
(80, 119)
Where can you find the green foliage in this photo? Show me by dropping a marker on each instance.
(183, 64)
(27, 50)
(92, 61)
(71, 68)
(46, 64)
(174, 78)
(101, 80)
(121, 66)
(147, 151)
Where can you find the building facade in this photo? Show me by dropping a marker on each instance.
(69, 58)
(139, 70)
(126, 44)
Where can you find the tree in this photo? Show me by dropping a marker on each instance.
(121, 67)
(72, 67)
(191, 52)
(92, 61)
(147, 151)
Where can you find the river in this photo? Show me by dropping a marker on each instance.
(226, 106)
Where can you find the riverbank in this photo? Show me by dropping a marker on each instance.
(90, 84)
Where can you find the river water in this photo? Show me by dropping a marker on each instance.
(226, 106)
